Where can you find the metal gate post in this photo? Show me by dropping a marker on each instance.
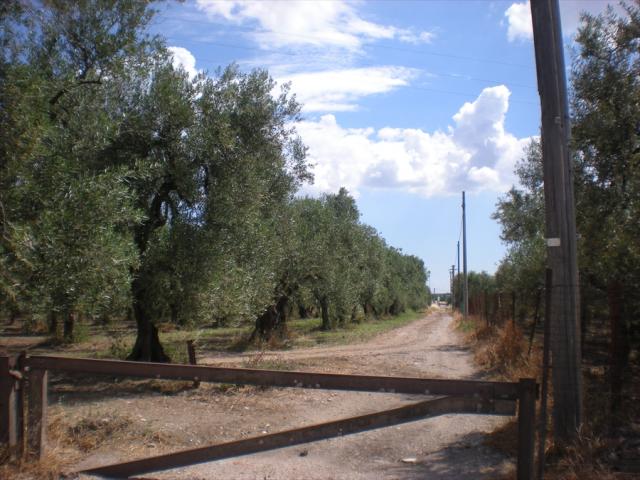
(191, 352)
(527, 390)
(6, 386)
(19, 445)
(11, 425)
(37, 413)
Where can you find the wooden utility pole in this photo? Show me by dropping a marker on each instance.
(458, 278)
(465, 286)
(542, 439)
(560, 219)
(452, 277)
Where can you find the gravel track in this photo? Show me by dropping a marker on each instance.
(445, 447)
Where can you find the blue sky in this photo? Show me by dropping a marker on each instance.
(405, 103)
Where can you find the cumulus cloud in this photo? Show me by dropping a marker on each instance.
(519, 22)
(570, 12)
(339, 90)
(185, 59)
(333, 24)
(519, 17)
(475, 153)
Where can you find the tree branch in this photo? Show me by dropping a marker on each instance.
(66, 90)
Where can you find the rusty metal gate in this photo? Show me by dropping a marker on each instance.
(23, 392)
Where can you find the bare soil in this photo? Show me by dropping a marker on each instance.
(151, 423)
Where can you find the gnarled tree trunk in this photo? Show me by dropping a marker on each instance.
(273, 321)
(395, 308)
(53, 323)
(369, 311)
(68, 325)
(324, 308)
(147, 347)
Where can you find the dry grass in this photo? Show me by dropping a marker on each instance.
(101, 428)
(51, 467)
(502, 351)
(69, 439)
(586, 459)
(88, 433)
(269, 362)
(245, 342)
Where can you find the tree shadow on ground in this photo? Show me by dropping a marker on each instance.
(452, 348)
(469, 458)
(80, 388)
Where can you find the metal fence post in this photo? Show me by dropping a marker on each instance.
(18, 444)
(6, 388)
(526, 428)
(37, 413)
(11, 425)
(191, 352)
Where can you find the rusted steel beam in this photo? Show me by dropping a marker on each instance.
(276, 378)
(409, 413)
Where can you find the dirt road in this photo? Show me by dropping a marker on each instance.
(446, 447)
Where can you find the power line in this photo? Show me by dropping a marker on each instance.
(388, 47)
(457, 57)
(426, 89)
(297, 54)
(316, 38)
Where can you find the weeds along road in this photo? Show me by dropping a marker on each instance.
(446, 447)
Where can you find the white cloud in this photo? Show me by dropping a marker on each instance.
(320, 24)
(519, 17)
(570, 12)
(185, 59)
(411, 37)
(339, 90)
(519, 22)
(476, 153)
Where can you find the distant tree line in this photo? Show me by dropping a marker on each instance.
(129, 189)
